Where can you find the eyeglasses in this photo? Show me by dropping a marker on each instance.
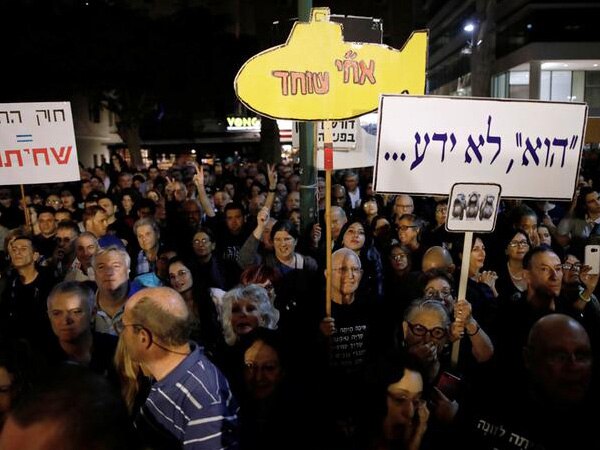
(120, 326)
(562, 357)
(267, 368)
(432, 293)
(53, 202)
(576, 267)
(420, 330)
(399, 257)
(201, 241)
(284, 240)
(355, 271)
(514, 244)
(548, 269)
(401, 400)
(406, 227)
(182, 273)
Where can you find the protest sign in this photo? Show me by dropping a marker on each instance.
(354, 142)
(531, 149)
(37, 143)
(316, 75)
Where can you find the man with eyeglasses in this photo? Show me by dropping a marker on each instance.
(348, 337)
(190, 401)
(553, 406)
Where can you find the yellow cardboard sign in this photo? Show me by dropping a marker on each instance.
(316, 75)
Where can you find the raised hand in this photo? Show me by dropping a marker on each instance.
(272, 175)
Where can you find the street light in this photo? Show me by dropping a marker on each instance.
(470, 27)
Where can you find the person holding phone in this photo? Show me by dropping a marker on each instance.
(578, 286)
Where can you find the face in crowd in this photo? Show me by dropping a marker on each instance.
(284, 245)
(70, 316)
(22, 254)
(111, 271)
(85, 248)
(544, 277)
(404, 399)
(180, 277)
(346, 273)
(262, 370)
(234, 220)
(354, 237)
(146, 237)
(47, 224)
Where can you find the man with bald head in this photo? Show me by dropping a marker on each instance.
(351, 330)
(554, 405)
(190, 401)
(437, 257)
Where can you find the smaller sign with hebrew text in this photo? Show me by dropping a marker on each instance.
(37, 143)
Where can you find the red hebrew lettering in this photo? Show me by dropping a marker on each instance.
(7, 155)
(367, 72)
(284, 75)
(43, 151)
(321, 82)
(61, 158)
(298, 76)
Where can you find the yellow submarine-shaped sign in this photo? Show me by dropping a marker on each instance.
(315, 75)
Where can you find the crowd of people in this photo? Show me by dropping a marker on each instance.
(185, 308)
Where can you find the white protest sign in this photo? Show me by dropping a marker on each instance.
(344, 134)
(354, 142)
(37, 143)
(426, 144)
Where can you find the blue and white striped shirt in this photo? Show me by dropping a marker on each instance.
(195, 405)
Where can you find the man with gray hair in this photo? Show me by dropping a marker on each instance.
(71, 309)
(190, 405)
(111, 270)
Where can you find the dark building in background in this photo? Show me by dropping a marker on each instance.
(527, 49)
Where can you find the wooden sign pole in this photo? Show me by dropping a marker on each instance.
(26, 209)
(328, 146)
(462, 287)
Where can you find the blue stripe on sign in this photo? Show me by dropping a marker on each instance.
(24, 135)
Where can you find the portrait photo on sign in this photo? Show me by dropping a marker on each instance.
(473, 207)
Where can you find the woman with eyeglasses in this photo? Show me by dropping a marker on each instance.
(398, 282)
(355, 236)
(274, 404)
(299, 280)
(510, 275)
(207, 266)
(437, 286)
(410, 228)
(370, 208)
(400, 415)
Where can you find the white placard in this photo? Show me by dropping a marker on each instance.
(344, 134)
(361, 155)
(473, 207)
(37, 143)
(530, 148)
